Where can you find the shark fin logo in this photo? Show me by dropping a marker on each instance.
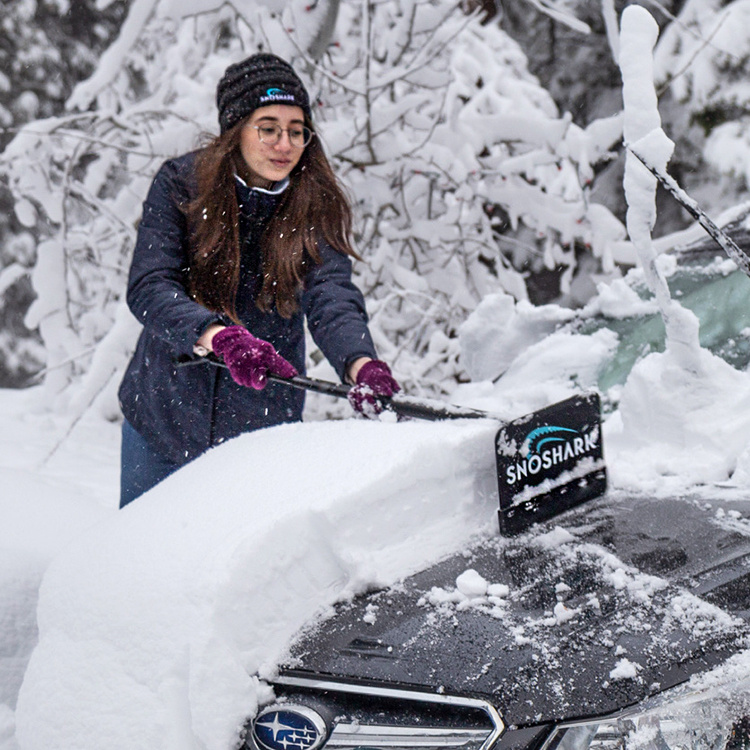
(278, 95)
(548, 435)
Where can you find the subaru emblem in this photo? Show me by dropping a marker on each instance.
(289, 727)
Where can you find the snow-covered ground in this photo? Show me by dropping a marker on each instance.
(43, 505)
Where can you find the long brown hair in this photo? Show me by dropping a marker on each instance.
(313, 208)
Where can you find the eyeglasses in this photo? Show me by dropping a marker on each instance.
(299, 135)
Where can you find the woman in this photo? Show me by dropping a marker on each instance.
(237, 244)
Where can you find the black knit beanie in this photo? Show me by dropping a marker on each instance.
(259, 81)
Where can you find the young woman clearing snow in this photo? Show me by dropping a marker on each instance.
(238, 242)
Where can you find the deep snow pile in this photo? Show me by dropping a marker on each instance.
(159, 622)
(152, 624)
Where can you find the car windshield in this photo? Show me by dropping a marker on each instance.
(703, 282)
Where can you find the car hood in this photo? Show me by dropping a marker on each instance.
(591, 612)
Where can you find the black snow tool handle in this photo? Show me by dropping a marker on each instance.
(404, 406)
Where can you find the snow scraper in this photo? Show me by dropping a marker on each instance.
(547, 462)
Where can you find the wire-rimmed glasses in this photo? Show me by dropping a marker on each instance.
(299, 135)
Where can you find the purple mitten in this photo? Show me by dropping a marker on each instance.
(249, 359)
(374, 384)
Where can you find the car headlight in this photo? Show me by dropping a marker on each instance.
(712, 718)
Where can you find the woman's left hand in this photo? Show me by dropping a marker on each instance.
(374, 385)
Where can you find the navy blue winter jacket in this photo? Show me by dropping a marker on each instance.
(182, 411)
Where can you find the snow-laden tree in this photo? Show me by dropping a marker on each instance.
(703, 67)
(45, 47)
(437, 124)
(462, 172)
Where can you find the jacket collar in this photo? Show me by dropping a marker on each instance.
(276, 189)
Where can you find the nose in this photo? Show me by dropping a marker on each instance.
(285, 142)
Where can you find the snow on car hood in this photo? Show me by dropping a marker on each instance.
(591, 612)
(155, 623)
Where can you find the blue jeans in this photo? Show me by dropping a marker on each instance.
(141, 467)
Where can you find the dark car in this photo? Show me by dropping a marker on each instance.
(621, 623)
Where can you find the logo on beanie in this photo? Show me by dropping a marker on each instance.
(276, 95)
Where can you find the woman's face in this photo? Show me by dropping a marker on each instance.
(266, 162)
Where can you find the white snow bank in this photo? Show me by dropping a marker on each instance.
(39, 518)
(500, 329)
(558, 366)
(152, 623)
(677, 428)
(673, 428)
(42, 510)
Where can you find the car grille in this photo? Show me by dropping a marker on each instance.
(348, 736)
(384, 718)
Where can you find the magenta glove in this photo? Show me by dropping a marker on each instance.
(374, 383)
(249, 359)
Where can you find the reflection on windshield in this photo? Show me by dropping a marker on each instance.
(721, 302)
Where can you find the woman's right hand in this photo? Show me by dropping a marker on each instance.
(249, 359)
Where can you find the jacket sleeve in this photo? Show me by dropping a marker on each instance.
(335, 310)
(157, 285)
